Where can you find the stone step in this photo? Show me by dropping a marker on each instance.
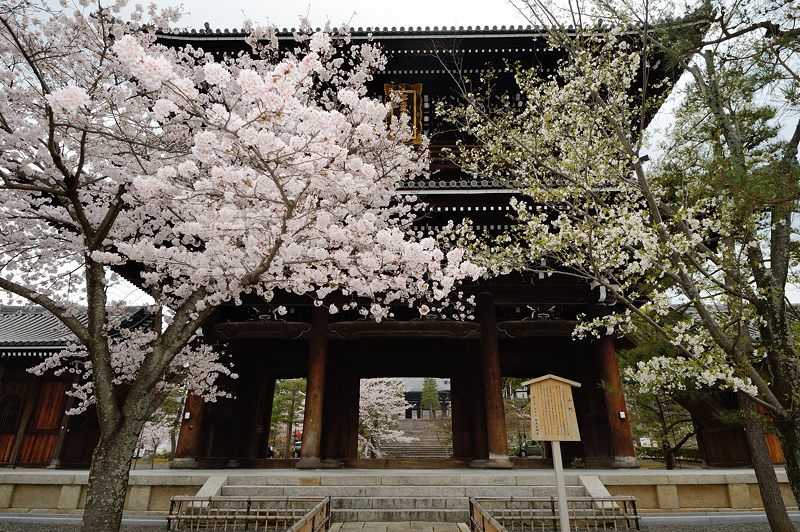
(393, 516)
(440, 479)
(396, 491)
(396, 445)
(413, 453)
(404, 503)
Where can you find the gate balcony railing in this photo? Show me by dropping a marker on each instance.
(258, 514)
(522, 514)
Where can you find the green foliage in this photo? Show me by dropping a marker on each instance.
(287, 410)
(288, 401)
(430, 395)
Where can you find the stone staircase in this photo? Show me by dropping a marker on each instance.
(386, 497)
(425, 445)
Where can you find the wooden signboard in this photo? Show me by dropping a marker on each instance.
(553, 419)
(553, 415)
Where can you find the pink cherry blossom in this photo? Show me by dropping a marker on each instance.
(66, 101)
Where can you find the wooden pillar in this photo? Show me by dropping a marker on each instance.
(261, 414)
(340, 420)
(187, 449)
(315, 390)
(492, 386)
(461, 414)
(619, 424)
(480, 448)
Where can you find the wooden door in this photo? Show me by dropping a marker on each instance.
(41, 434)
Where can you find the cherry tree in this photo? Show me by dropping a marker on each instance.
(201, 178)
(153, 435)
(698, 245)
(382, 404)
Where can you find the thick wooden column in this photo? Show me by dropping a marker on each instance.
(187, 449)
(315, 391)
(492, 386)
(619, 424)
(340, 421)
(480, 447)
(261, 414)
(460, 414)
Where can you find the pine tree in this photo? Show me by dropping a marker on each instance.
(430, 395)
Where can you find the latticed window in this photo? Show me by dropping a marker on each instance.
(406, 99)
(9, 412)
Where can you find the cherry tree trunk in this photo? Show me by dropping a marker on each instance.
(669, 456)
(774, 506)
(108, 480)
(789, 433)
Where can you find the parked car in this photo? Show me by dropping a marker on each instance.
(530, 448)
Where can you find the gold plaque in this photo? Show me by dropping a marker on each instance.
(406, 99)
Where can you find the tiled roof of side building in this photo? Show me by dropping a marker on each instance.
(32, 326)
(414, 384)
(33, 331)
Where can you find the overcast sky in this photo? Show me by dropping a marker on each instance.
(231, 13)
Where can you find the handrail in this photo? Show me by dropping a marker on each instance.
(293, 514)
(500, 514)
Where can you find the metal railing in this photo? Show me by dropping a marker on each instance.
(541, 513)
(265, 514)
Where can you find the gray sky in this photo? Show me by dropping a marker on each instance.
(231, 13)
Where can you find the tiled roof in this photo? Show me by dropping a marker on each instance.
(33, 331)
(453, 184)
(32, 326)
(378, 32)
(414, 384)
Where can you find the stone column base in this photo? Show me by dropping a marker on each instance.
(492, 463)
(183, 463)
(610, 462)
(625, 462)
(309, 463)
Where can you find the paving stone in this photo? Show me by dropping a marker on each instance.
(445, 527)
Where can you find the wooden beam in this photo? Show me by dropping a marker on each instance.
(536, 328)
(542, 293)
(263, 329)
(354, 330)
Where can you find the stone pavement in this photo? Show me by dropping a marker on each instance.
(401, 526)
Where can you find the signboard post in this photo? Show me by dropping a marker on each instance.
(553, 419)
